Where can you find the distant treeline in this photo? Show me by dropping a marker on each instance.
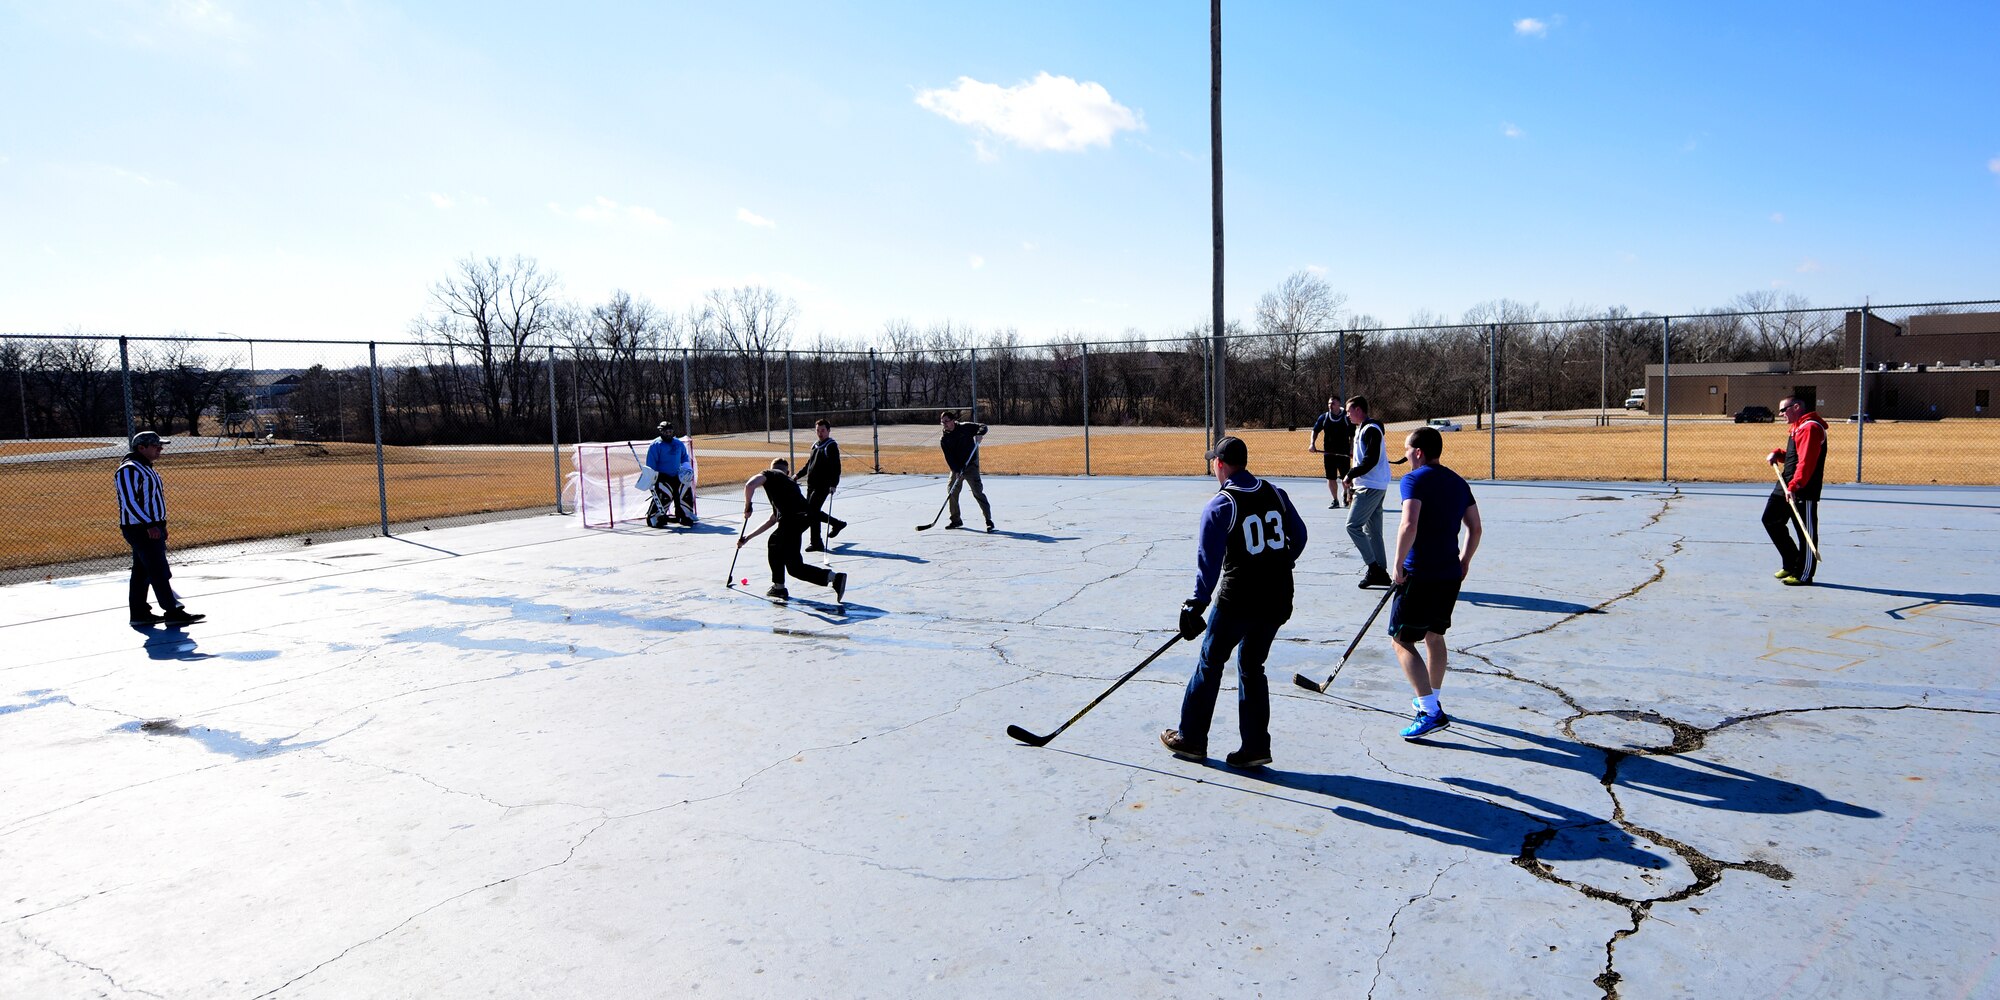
(477, 367)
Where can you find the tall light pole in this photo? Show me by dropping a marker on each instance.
(1218, 398)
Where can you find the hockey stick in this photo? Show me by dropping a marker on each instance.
(731, 582)
(1037, 741)
(1307, 682)
(949, 487)
(1797, 518)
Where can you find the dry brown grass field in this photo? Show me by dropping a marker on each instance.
(63, 511)
(47, 447)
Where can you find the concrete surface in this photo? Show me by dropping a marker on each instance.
(524, 759)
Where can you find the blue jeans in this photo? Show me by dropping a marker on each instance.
(1364, 526)
(1226, 632)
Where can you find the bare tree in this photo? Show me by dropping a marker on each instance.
(496, 311)
(1302, 305)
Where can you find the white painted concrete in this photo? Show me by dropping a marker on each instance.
(522, 759)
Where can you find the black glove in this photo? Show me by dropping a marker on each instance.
(1191, 621)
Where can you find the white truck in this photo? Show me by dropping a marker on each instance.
(1636, 399)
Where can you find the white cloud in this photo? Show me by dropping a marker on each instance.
(976, 261)
(1029, 247)
(1315, 268)
(1511, 130)
(1807, 266)
(1531, 27)
(441, 201)
(1778, 217)
(750, 218)
(1053, 113)
(1992, 164)
(602, 209)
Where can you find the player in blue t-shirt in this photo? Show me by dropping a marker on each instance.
(1429, 570)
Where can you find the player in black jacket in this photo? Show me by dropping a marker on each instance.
(960, 442)
(822, 477)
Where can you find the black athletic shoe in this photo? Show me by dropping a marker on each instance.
(955, 524)
(1244, 760)
(837, 526)
(1376, 576)
(1333, 506)
(989, 527)
(181, 616)
(1181, 748)
(815, 547)
(840, 588)
(778, 593)
(145, 616)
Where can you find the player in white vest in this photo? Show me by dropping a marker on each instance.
(1369, 480)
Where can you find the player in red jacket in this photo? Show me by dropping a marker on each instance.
(1804, 460)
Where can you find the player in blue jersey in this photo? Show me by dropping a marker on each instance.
(1429, 569)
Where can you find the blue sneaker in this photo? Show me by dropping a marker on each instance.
(1426, 725)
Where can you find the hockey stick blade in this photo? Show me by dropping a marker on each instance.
(1307, 682)
(1029, 738)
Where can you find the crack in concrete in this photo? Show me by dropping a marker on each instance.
(1412, 901)
(406, 921)
(67, 960)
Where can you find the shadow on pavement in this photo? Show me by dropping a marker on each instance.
(1512, 603)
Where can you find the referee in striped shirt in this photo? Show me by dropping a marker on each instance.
(142, 519)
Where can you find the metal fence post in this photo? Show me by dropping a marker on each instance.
(576, 392)
(1340, 366)
(875, 409)
(125, 377)
(555, 434)
(1086, 409)
(1492, 401)
(375, 406)
(764, 358)
(974, 354)
(1861, 391)
(1666, 390)
(687, 392)
(791, 443)
(21, 386)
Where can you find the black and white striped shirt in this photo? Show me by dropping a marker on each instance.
(142, 499)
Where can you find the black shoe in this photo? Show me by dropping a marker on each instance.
(1181, 748)
(145, 616)
(955, 524)
(989, 527)
(685, 522)
(840, 588)
(181, 616)
(1376, 576)
(837, 526)
(1333, 506)
(1244, 760)
(815, 547)
(778, 593)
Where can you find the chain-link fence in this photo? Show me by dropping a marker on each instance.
(276, 442)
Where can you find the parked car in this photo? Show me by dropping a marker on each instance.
(1754, 415)
(1441, 424)
(1861, 418)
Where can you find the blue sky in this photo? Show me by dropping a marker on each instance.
(311, 169)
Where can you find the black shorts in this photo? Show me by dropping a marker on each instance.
(1422, 606)
(1336, 465)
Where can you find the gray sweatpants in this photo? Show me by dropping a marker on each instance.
(1364, 525)
(968, 475)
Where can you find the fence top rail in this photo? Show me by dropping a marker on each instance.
(1190, 340)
